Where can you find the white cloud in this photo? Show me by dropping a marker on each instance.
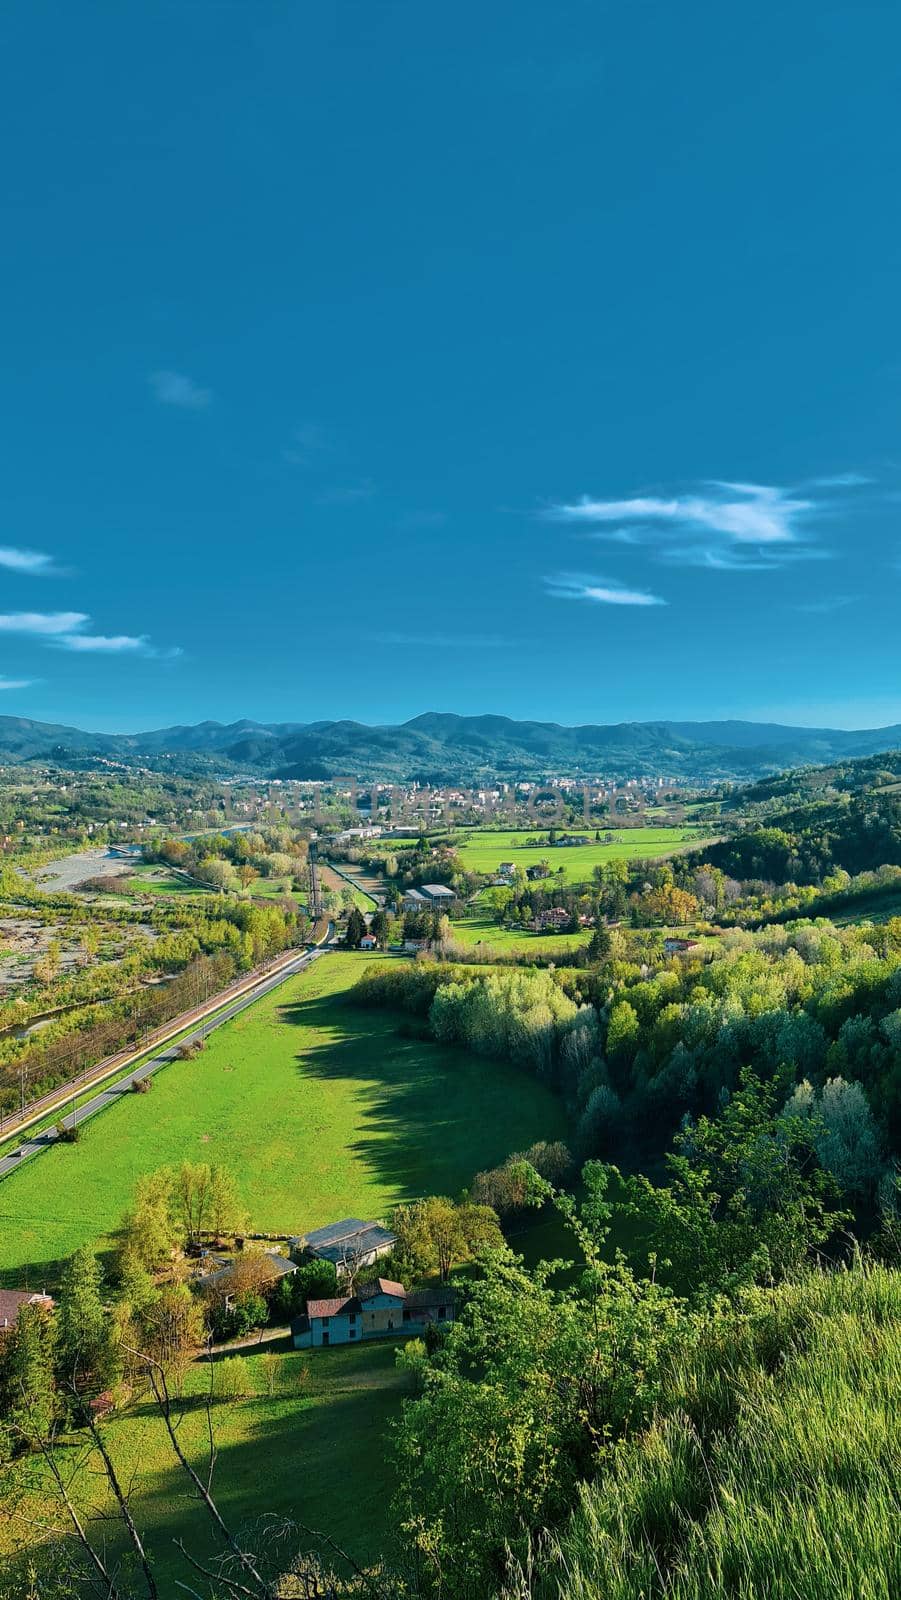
(43, 622)
(32, 562)
(176, 389)
(749, 513)
(15, 683)
(113, 644)
(602, 591)
(841, 480)
(64, 630)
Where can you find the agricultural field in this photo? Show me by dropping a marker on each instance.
(482, 850)
(320, 1111)
(326, 1422)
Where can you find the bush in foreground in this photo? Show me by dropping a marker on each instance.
(770, 1469)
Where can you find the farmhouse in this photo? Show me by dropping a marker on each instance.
(12, 1301)
(557, 917)
(673, 947)
(376, 1309)
(368, 941)
(349, 1245)
(538, 871)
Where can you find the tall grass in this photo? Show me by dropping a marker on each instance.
(772, 1469)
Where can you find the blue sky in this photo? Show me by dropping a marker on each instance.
(360, 360)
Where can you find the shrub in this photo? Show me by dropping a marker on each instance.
(231, 1379)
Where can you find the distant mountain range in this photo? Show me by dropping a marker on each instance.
(440, 746)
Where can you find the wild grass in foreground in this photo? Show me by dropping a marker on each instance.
(771, 1472)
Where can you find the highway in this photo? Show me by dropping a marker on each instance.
(167, 1053)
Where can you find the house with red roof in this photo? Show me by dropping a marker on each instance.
(375, 1310)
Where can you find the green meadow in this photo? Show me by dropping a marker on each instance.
(319, 1109)
(319, 1443)
(484, 931)
(482, 850)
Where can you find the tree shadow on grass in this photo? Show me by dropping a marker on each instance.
(319, 1455)
(430, 1115)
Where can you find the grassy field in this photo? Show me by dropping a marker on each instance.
(483, 930)
(154, 881)
(318, 1443)
(482, 850)
(320, 1111)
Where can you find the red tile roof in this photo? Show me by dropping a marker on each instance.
(334, 1307)
(381, 1286)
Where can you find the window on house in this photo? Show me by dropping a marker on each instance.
(407, 1314)
(441, 1312)
(325, 1322)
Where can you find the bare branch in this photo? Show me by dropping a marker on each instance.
(128, 1519)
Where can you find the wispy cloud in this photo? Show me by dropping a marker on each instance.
(749, 513)
(177, 389)
(65, 630)
(720, 525)
(740, 558)
(839, 480)
(33, 563)
(115, 644)
(43, 623)
(15, 683)
(448, 641)
(602, 591)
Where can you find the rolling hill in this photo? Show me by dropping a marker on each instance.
(441, 746)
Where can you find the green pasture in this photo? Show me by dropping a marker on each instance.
(484, 931)
(483, 850)
(321, 1110)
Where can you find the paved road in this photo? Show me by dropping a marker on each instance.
(167, 1053)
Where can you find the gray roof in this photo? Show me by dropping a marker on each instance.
(336, 1231)
(436, 890)
(352, 1237)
